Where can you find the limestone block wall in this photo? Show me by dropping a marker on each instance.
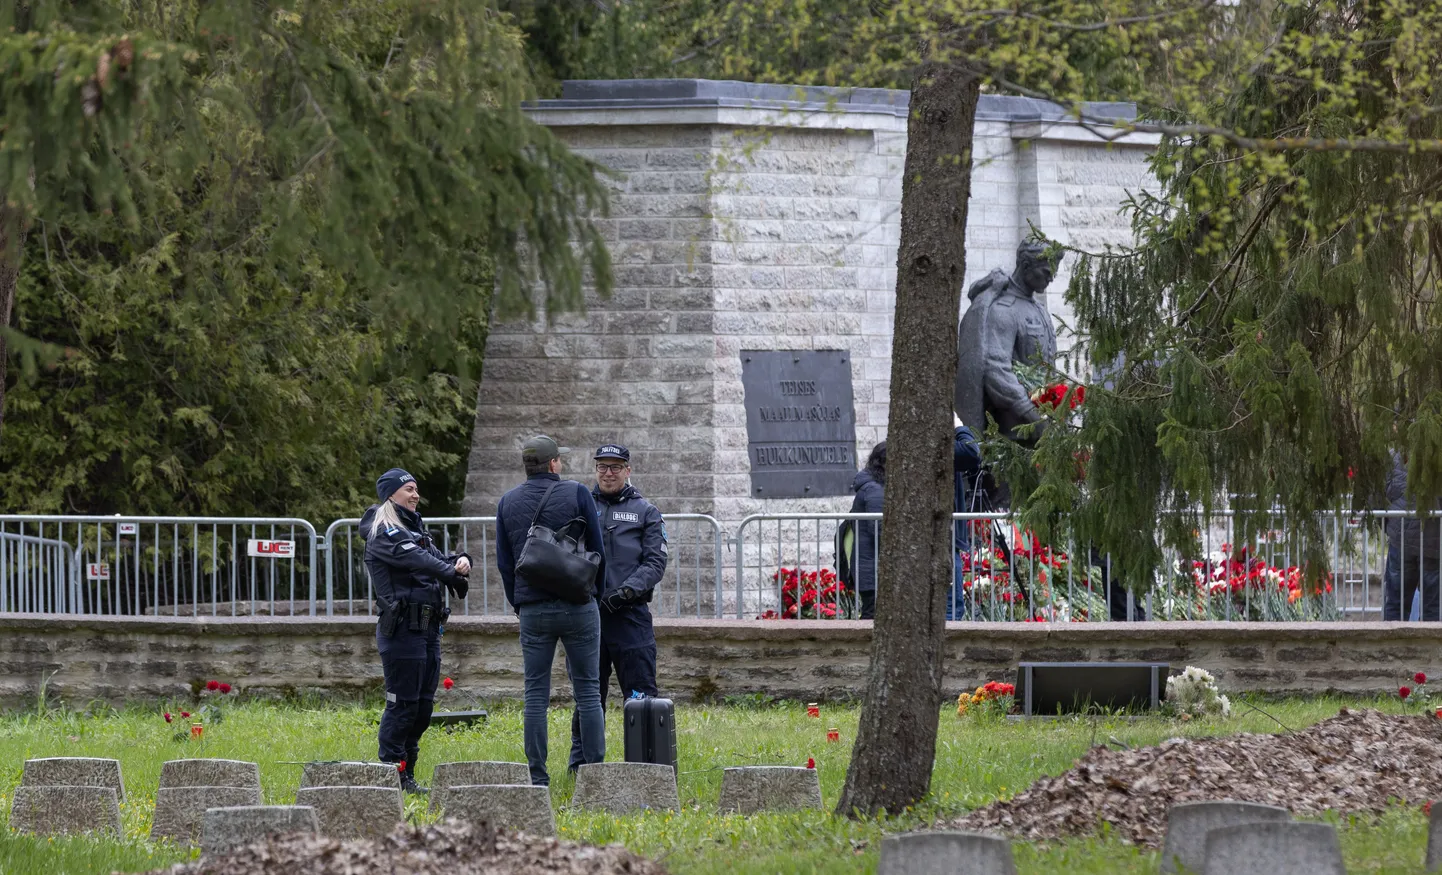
(126, 659)
(759, 217)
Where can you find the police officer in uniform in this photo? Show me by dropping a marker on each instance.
(634, 536)
(407, 575)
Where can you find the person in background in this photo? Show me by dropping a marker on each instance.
(869, 485)
(407, 573)
(965, 470)
(544, 499)
(634, 536)
(1412, 554)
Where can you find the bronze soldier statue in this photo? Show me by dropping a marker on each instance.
(1005, 324)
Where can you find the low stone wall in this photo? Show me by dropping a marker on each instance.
(121, 658)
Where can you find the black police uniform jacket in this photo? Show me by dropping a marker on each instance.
(405, 566)
(634, 535)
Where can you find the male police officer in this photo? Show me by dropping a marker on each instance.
(634, 536)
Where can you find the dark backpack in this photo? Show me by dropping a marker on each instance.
(845, 544)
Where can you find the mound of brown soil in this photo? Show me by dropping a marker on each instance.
(1358, 761)
(445, 849)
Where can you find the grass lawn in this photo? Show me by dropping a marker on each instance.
(978, 760)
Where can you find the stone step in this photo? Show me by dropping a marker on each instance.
(619, 788)
(74, 772)
(354, 812)
(180, 811)
(476, 772)
(226, 829)
(510, 806)
(945, 853)
(350, 774)
(1188, 823)
(209, 773)
(1274, 849)
(749, 789)
(52, 811)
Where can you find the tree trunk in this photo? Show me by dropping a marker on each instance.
(896, 741)
(12, 246)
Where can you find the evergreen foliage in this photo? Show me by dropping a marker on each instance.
(1275, 333)
(268, 246)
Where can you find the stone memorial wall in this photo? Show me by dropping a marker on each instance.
(752, 220)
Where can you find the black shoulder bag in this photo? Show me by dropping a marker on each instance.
(556, 561)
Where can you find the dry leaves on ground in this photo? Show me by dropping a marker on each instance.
(442, 849)
(1358, 761)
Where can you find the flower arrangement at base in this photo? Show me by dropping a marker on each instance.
(811, 595)
(990, 699)
(208, 714)
(1193, 693)
(1037, 583)
(1231, 584)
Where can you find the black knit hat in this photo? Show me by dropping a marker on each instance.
(390, 481)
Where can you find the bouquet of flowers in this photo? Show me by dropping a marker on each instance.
(811, 595)
(991, 697)
(1193, 693)
(1032, 581)
(1234, 585)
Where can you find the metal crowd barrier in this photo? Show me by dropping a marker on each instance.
(691, 586)
(784, 566)
(167, 566)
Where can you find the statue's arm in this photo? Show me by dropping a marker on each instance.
(1003, 387)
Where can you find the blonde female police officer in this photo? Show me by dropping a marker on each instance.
(407, 575)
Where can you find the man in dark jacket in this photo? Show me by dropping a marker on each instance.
(965, 467)
(634, 536)
(870, 485)
(544, 499)
(1412, 553)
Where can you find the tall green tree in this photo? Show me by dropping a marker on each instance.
(262, 244)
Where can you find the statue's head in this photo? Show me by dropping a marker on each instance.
(1036, 265)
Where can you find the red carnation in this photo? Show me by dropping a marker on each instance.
(212, 685)
(184, 714)
(1420, 678)
(1405, 692)
(448, 683)
(1427, 808)
(168, 718)
(224, 688)
(810, 762)
(401, 766)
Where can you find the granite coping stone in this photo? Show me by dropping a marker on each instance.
(619, 788)
(1274, 849)
(749, 789)
(74, 772)
(180, 811)
(225, 829)
(525, 807)
(64, 810)
(1188, 823)
(209, 773)
(945, 853)
(350, 774)
(477, 772)
(354, 812)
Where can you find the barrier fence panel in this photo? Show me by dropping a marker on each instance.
(1250, 568)
(690, 587)
(167, 566)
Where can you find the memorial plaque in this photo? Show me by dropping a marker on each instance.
(800, 422)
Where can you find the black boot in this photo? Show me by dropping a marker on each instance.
(408, 780)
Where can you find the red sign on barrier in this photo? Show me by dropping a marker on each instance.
(270, 549)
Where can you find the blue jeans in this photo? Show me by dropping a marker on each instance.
(956, 596)
(578, 628)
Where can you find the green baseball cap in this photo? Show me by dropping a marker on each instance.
(542, 449)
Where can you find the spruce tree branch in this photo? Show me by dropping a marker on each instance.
(1111, 129)
(1233, 260)
(1091, 27)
